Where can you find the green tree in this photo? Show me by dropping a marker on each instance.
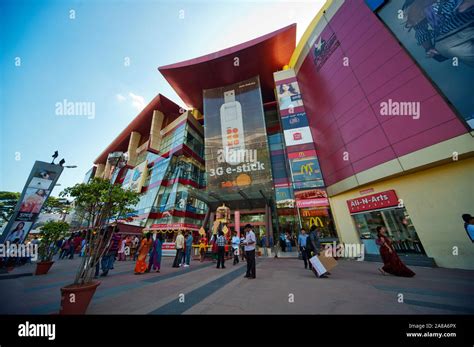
(51, 232)
(103, 204)
(8, 201)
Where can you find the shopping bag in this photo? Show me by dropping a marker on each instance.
(318, 267)
(328, 262)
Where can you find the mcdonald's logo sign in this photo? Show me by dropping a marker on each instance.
(307, 169)
(315, 221)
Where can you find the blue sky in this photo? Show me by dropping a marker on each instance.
(84, 60)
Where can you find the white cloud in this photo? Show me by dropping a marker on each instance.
(138, 101)
(120, 97)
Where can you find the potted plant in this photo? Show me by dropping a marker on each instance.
(102, 203)
(50, 233)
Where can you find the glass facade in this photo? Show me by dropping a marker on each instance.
(399, 228)
(173, 175)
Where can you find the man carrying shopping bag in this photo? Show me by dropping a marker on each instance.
(319, 264)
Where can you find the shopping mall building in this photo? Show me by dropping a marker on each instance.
(351, 128)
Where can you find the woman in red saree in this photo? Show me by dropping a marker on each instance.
(141, 265)
(391, 262)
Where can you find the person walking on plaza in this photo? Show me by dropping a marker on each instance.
(203, 247)
(313, 246)
(221, 242)
(121, 252)
(135, 243)
(288, 241)
(65, 248)
(214, 247)
(249, 244)
(469, 225)
(141, 266)
(179, 249)
(242, 247)
(302, 247)
(235, 247)
(156, 253)
(392, 264)
(108, 259)
(188, 248)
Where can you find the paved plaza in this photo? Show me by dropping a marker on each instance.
(282, 286)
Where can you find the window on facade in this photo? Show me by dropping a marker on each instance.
(399, 228)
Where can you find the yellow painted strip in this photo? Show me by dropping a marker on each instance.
(307, 34)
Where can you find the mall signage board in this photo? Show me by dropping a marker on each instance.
(373, 202)
(311, 198)
(236, 146)
(38, 187)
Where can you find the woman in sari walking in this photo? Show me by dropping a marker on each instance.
(155, 255)
(203, 247)
(392, 264)
(141, 266)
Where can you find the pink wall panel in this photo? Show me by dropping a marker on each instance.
(337, 98)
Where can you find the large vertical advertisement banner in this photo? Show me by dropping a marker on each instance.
(40, 183)
(237, 154)
(439, 35)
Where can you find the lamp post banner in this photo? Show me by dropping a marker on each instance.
(38, 187)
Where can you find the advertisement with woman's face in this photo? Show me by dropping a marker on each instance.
(33, 200)
(18, 231)
(439, 35)
(289, 95)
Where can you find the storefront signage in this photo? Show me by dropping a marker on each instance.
(173, 226)
(373, 202)
(311, 198)
(312, 203)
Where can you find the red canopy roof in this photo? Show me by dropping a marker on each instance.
(261, 56)
(141, 124)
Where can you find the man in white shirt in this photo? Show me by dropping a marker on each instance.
(235, 247)
(179, 249)
(249, 244)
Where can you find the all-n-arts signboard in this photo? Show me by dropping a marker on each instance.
(373, 202)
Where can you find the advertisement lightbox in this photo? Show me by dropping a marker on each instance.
(236, 149)
(38, 187)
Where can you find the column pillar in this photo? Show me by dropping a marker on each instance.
(237, 222)
(107, 168)
(268, 223)
(99, 172)
(132, 148)
(155, 131)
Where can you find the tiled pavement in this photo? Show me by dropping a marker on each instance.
(282, 286)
